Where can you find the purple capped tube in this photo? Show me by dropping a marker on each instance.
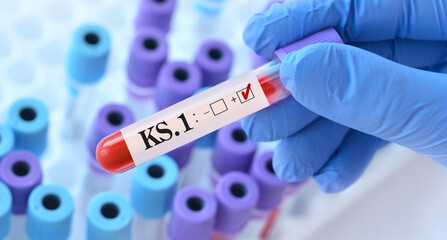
(193, 215)
(214, 59)
(155, 13)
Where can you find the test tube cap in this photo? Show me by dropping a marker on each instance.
(208, 140)
(181, 155)
(109, 119)
(29, 119)
(7, 140)
(88, 54)
(153, 187)
(109, 216)
(214, 59)
(5, 210)
(271, 188)
(21, 172)
(148, 53)
(233, 151)
(50, 211)
(176, 81)
(237, 194)
(155, 13)
(193, 215)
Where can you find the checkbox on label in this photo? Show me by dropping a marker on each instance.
(241, 97)
(218, 107)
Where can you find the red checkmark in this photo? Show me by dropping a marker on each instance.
(245, 94)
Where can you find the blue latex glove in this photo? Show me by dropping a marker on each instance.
(347, 98)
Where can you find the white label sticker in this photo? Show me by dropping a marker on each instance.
(194, 117)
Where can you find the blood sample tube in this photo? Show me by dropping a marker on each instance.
(201, 114)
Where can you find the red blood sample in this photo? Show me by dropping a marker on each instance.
(113, 155)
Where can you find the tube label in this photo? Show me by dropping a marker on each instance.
(194, 117)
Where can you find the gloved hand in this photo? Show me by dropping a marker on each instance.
(347, 98)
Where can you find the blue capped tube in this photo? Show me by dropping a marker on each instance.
(29, 119)
(109, 216)
(50, 211)
(152, 192)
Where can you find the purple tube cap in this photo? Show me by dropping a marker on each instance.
(110, 118)
(176, 81)
(328, 35)
(21, 172)
(193, 215)
(216, 56)
(237, 194)
(148, 53)
(233, 150)
(271, 188)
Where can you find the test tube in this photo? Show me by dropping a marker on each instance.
(109, 216)
(21, 172)
(214, 58)
(29, 119)
(5, 210)
(193, 215)
(271, 190)
(7, 140)
(152, 191)
(86, 65)
(147, 55)
(233, 151)
(237, 194)
(155, 13)
(50, 211)
(177, 81)
(202, 113)
(110, 118)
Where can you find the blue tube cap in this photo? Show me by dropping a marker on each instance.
(153, 187)
(50, 210)
(109, 217)
(5, 210)
(28, 118)
(6, 140)
(88, 54)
